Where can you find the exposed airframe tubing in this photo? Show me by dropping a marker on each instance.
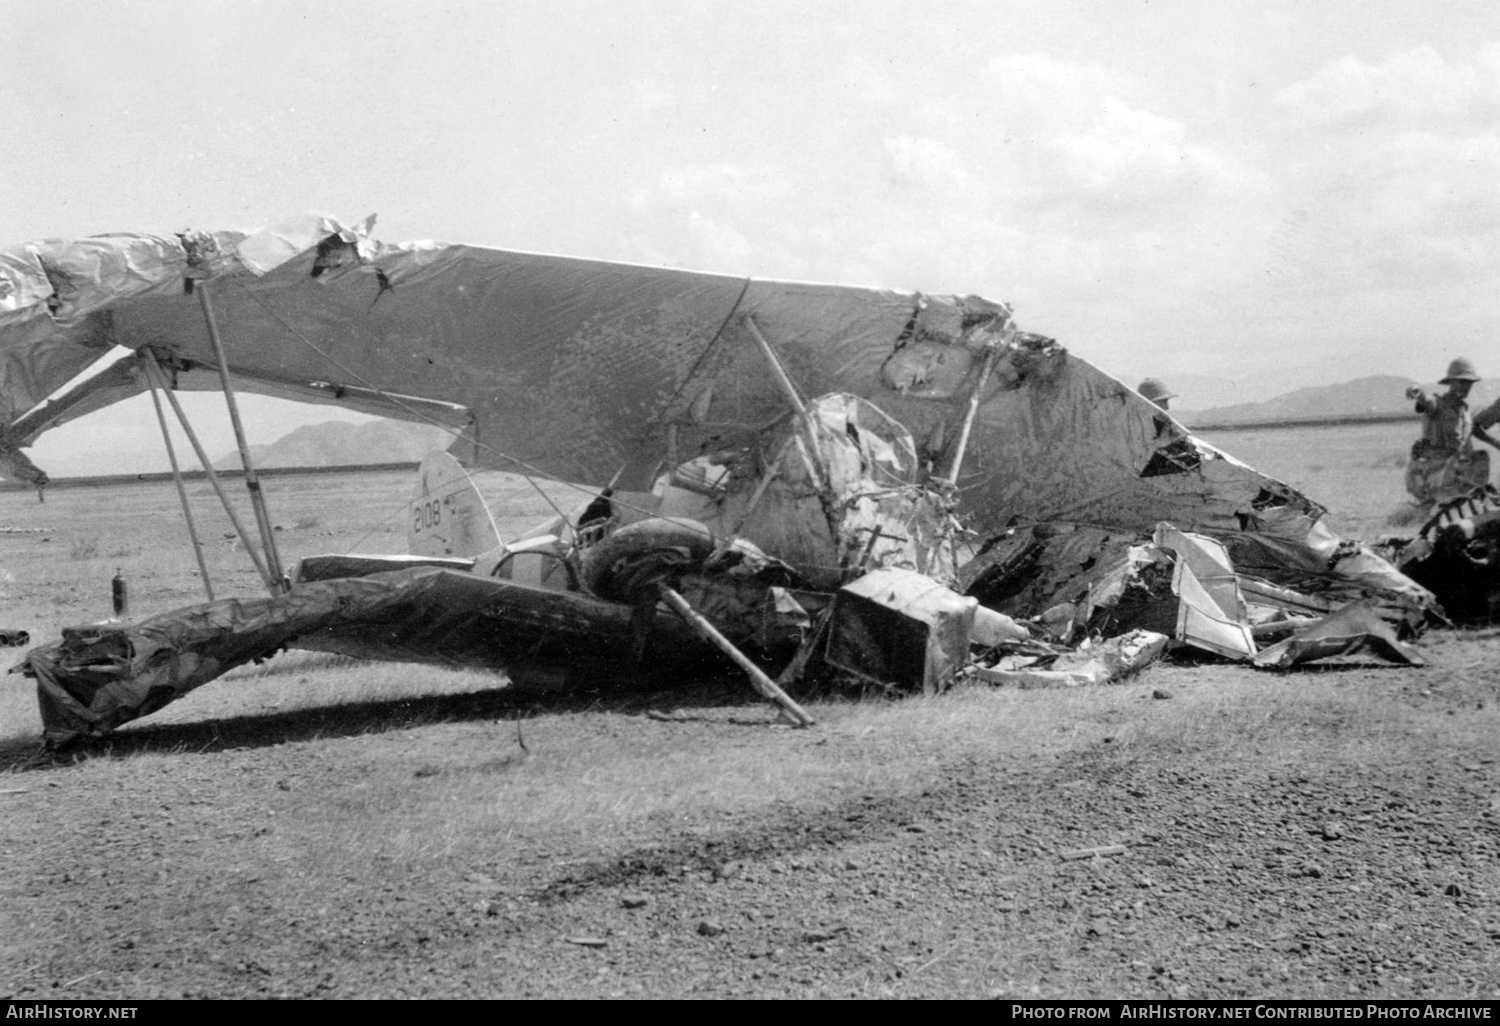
(153, 370)
(275, 577)
(187, 512)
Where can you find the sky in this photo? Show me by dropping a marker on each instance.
(1239, 197)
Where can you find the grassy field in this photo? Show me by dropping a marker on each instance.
(59, 561)
(1357, 471)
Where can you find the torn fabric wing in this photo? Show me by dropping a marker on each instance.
(1101, 662)
(101, 676)
(1352, 630)
(574, 368)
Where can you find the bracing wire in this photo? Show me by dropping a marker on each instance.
(353, 547)
(524, 469)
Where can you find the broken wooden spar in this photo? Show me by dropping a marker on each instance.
(758, 679)
(974, 399)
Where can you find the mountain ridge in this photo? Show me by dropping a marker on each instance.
(333, 443)
(1378, 395)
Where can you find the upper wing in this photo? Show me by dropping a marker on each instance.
(578, 368)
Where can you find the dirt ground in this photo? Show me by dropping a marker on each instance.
(366, 832)
(1332, 833)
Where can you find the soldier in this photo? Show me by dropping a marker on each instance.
(1443, 461)
(1158, 393)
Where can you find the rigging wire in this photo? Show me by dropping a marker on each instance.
(389, 517)
(526, 470)
(703, 356)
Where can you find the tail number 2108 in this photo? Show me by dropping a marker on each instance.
(428, 515)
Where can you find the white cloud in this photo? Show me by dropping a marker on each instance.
(1396, 189)
(1416, 210)
(1051, 183)
(1061, 130)
(1414, 87)
(1121, 140)
(1054, 92)
(723, 181)
(871, 84)
(719, 246)
(934, 168)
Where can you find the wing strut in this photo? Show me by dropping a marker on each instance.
(187, 511)
(276, 581)
(991, 352)
(154, 372)
(815, 453)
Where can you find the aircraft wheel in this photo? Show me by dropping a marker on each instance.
(642, 553)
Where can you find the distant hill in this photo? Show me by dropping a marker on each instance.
(1257, 384)
(1379, 395)
(338, 443)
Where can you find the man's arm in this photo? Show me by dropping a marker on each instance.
(1485, 437)
(1484, 420)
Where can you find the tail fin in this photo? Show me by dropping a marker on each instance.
(447, 515)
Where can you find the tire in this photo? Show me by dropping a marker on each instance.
(641, 553)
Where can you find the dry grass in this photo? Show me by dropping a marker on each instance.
(1357, 471)
(83, 547)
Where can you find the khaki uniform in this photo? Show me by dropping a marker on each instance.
(1443, 461)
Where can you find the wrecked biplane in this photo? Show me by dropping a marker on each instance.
(953, 479)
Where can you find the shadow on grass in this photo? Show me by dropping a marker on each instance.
(1341, 664)
(1199, 659)
(350, 719)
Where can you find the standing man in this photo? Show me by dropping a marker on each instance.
(1158, 393)
(1443, 461)
(1174, 450)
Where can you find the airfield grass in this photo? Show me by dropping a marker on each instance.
(1357, 471)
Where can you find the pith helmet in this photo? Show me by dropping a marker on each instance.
(1153, 389)
(1460, 370)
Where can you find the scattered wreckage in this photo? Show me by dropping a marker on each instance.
(960, 499)
(1456, 554)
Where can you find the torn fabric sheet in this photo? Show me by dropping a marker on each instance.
(1101, 662)
(1112, 580)
(1073, 581)
(1354, 629)
(102, 676)
(573, 368)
